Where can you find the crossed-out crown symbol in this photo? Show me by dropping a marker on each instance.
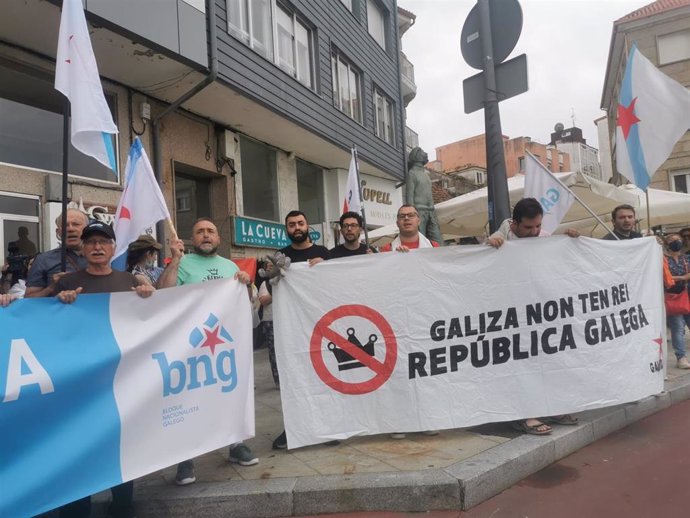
(344, 359)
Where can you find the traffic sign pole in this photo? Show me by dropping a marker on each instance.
(497, 180)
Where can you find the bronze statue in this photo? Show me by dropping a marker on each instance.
(418, 194)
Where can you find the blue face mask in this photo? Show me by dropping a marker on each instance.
(675, 246)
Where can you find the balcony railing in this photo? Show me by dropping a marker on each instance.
(411, 138)
(406, 68)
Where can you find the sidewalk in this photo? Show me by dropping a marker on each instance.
(456, 469)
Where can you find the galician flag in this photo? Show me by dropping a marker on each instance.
(653, 114)
(352, 201)
(141, 206)
(554, 197)
(76, 76)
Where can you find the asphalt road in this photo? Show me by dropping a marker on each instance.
(642, 471)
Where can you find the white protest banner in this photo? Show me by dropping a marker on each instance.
(458, 336)
(114, 387)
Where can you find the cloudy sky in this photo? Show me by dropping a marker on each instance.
(566, 42)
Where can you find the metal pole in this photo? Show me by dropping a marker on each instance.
(497, 181)
(649, 217)
(65, 168)
(361, 200)
(594, 215)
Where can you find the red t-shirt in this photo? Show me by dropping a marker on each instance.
(409, 244)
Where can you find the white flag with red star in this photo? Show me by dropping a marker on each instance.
(653, 113)
(76, 76)
(141, 206)
(352, 201)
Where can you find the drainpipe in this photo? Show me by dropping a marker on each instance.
(155, 122)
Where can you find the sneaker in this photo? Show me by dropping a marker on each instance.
(280, 442)
(430, 432)
(335, 442)
(185, 473)
(683, 363)
(242, 455)
(397, 435)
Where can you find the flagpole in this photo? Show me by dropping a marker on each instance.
(574, 195)
(361, 200)
(65, 167)
(649, 217)
(171, 228)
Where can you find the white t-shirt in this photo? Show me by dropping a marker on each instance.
(268, 308)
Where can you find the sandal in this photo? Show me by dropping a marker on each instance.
(565, 420)
(535, 429)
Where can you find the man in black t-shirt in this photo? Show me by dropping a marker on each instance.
(98, 241)
(301, 249)
(351, 225)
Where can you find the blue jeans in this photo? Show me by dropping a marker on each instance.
(676, 324)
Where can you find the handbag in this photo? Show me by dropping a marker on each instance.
(677, 303)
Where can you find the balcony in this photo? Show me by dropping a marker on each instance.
(409, 88)
(411, 140)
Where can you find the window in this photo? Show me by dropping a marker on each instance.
(256, 22)
(259, 180)
(384, 117)
(346, 88)
(31, 127)
(480, 178)
(673, 47)
(521, 163)
(310, 191)
(376, 21)
(18, 225)
(680, 181)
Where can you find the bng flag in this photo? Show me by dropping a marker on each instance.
(114, 387)
(554, 197)
(352, 201)
(76, 76)
(653, 114)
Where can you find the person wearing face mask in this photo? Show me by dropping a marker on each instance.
(141, 259)
(679, 265)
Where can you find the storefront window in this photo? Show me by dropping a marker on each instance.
(31, 127)
(310, 191)
(259, 180)
(19, 230)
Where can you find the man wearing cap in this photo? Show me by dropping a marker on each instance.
(141, 259)
(98, 277)
(204, 264)
(45, 269)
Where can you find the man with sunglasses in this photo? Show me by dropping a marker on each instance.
(351, 225)
(409, 237)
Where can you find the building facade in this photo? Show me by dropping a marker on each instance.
(472, 152)
(247, 108)
(661, 31)
(583, 158)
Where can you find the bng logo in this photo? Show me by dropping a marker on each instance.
(208, 367)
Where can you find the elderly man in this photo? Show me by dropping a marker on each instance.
(204, 264)
(409, 237)
(45, 270)
(98, 277)
(351, 225)
(623, 219)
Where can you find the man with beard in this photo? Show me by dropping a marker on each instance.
(204, 264)
(623, 219)
(45, 270)
(351, 225)
(300, 250)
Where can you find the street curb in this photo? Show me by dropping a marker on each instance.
(460, 486)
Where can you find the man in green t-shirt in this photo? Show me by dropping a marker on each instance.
(204, 264)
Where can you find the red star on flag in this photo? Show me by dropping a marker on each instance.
(125, 214)
(212, 339)
(659, 341)
(627, 117)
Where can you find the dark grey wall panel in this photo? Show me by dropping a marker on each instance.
(333, 26)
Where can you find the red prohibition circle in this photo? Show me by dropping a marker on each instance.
(323, 331)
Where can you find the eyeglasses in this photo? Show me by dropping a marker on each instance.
(409, 215)
(102, 242)
(348, 226)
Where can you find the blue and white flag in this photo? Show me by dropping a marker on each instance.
(114, 386)
(653, 114)
(141, 205)
(76, 76)
(555, 198)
